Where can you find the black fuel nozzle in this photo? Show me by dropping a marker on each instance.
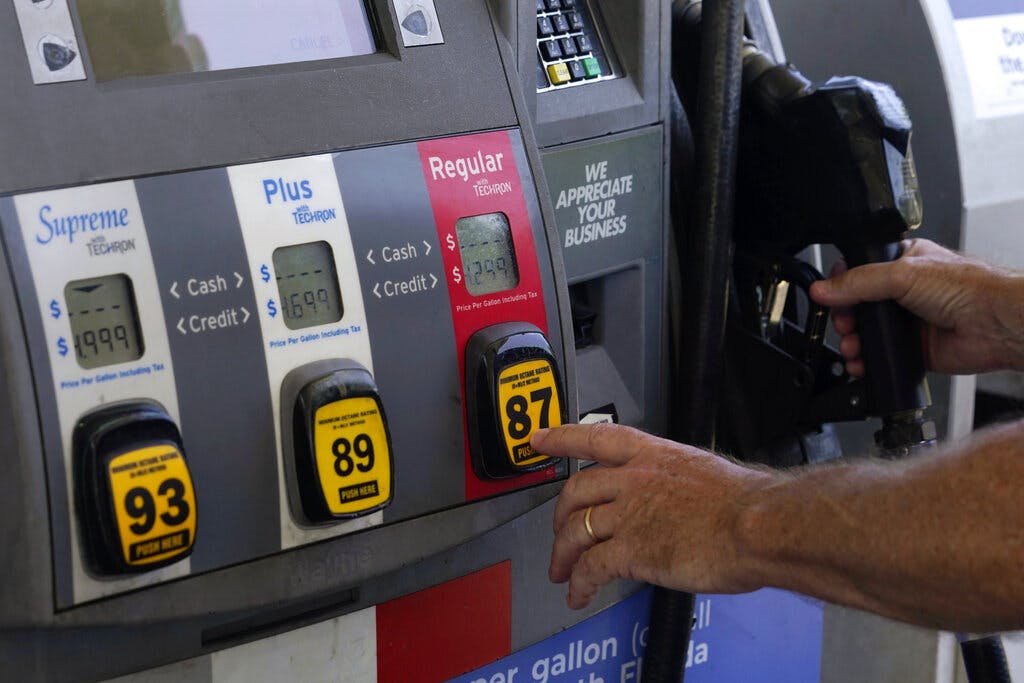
(832, 164)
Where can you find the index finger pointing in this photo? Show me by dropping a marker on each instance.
(608, 444)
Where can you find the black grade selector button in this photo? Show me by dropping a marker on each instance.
(544, 27)
(339, 459)
(551, 50)
(134, 495)
(513, 388)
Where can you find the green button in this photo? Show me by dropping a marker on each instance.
(591, 67)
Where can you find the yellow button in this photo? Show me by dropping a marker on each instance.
(353, 459)
(559, 73)
(154, 502)
(528, 399)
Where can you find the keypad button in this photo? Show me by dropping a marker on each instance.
(551, 50)
(559, 73)
(591, 67)
(568, 46)
(583, 44)
(576, 71)
(575, 21)
(544, 27)
(568, 4)
(541, 6)
(560, 23)
(554, 5)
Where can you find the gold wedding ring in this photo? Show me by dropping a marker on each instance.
(589, 528)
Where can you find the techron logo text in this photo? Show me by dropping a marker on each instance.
(465, 167)
(67, 227)
(280, 190)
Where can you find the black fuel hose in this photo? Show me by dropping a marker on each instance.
(705, 242)
(984, 659)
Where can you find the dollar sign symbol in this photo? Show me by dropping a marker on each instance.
(62, 346)
(456, 275)
(271, 308)
(450, 241)
(54, 309)
(264, 273)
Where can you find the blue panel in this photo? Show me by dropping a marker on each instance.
(965, 9)
(770, 636)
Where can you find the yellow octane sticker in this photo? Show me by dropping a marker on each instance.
(527, 401)
(154, 502)
(353, 460)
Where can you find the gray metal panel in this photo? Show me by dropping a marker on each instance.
(26, 589)
(79, 132)
(45, 411)
(388, 207)
(231, 451)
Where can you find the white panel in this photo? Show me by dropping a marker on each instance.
(282, 203)
(342, 649)
(85, 248)
(46, 25)
(993, 52)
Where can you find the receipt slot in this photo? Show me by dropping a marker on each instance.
(340, 464)
(512, 389)
(136, 500)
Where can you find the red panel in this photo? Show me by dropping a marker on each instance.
(447, 630)
(470, 176)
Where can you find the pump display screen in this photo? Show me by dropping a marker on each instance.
(184, 36)
(488, 256)
(307, 283)
(104, 321)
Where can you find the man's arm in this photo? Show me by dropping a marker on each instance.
(937, 540)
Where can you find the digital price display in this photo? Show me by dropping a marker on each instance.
(488, 255)
(104, 320)
(307, 283)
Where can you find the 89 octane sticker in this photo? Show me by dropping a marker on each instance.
(353, 459)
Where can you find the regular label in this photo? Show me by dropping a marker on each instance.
(353, 459)
(528, 401)
(155, 504)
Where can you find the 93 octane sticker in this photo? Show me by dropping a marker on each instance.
(154, 503)
(353, 459)
(528, 400)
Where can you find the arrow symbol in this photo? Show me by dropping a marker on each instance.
(181, 325)
(433, 282)
(427, 245)
(245, 313)
(238, 280)
(174, 290)
(369, 257)
(376, 290)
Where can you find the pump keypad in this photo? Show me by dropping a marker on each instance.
(568, 47)
(135, 496)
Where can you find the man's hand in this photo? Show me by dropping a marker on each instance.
(973, 313)
(662, 513)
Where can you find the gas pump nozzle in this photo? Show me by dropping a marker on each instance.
(832, 164)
